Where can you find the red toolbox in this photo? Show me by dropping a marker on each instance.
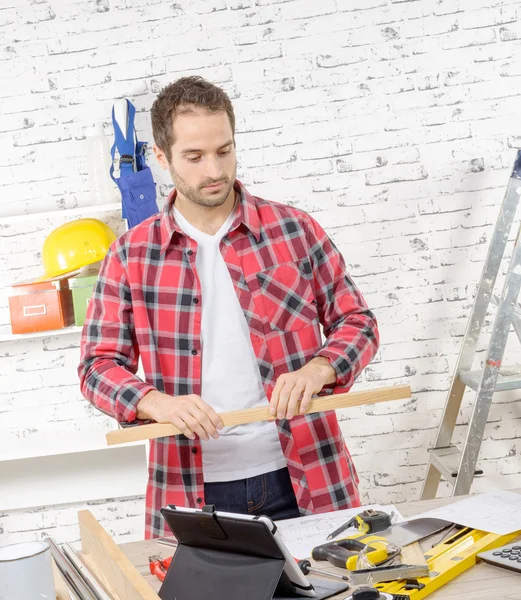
(41, 305)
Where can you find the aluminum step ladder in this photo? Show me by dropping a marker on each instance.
(458, 467)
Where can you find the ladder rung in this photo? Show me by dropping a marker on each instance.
(495, 300)
(509, 378)
(447, 461)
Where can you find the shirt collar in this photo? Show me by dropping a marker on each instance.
(246, 214)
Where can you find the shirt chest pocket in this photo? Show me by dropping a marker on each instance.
(287, 296)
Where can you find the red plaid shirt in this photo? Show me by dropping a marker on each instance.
(290, 279)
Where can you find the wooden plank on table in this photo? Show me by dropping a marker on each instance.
(61, 589)
(413, 555)
(109, 564)
(254, 415)
(105, 584)
(481, 582)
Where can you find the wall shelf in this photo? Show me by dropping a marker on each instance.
(78, 211)
(46, 443)
(7, 336)
(60, 467)
(74, 477)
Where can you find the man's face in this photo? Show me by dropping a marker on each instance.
(203, 164)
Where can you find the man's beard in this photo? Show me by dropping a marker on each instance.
(196, 194)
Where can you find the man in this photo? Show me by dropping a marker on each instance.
(222, 296)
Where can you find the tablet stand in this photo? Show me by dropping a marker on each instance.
(216, 562)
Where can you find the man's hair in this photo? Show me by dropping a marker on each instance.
(178, 97)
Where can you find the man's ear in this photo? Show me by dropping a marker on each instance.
(161, 157)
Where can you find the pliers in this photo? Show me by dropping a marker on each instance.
(159, 566)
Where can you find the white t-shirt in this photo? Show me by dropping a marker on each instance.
(230, 374)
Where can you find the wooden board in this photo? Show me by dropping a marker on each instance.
(109, 564)
(105, 584)
(60, 587)
(253, 415)
(413, 555)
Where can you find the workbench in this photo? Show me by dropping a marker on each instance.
(481, 582)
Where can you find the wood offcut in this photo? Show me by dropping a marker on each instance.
(254, 415)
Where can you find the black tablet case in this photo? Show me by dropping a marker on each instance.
(222, 558)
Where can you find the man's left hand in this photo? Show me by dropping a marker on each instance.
(299, 386)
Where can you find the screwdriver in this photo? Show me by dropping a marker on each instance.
(306, 568)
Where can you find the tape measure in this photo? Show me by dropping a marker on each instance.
(372, 521)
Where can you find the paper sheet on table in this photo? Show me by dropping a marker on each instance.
(301, 535)
(496, 512)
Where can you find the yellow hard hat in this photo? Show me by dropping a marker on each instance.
(74, 245)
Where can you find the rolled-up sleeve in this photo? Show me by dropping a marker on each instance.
(109, 350)
(350, 328)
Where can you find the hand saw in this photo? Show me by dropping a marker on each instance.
(403, 534)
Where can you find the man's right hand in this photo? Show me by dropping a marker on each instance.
(190, 414)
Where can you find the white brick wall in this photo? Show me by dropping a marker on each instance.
(394, 122)
(122, 518)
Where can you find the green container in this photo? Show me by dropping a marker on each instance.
(82, 288)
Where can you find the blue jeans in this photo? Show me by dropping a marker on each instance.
(270, 494)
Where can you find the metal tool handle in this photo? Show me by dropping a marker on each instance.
(337, 553)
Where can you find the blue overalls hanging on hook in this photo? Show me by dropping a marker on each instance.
(136, 183)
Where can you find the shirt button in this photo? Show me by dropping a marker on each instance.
(194, 450)
(196, 300)
(199, 500)
(190, 252)
(194, 352)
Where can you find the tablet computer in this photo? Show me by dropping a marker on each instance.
(254, 539)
